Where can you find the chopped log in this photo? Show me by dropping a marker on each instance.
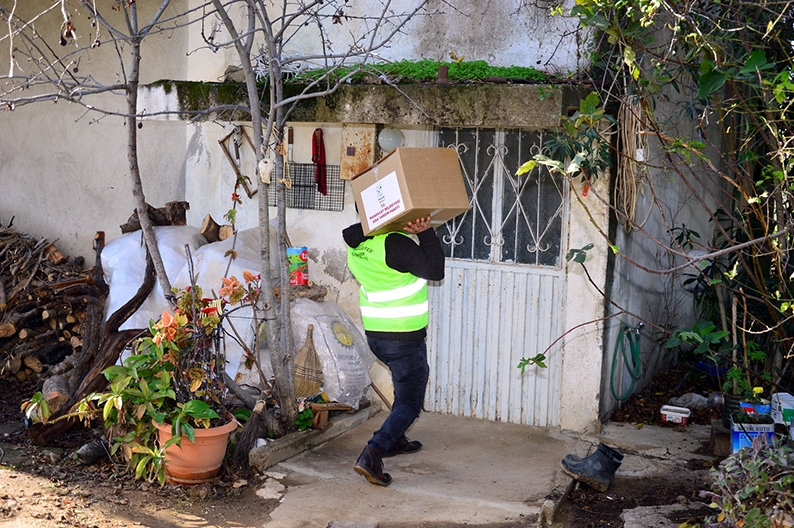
(7, 330)
(312, 291)
(76, 342)
(210, 228)
(11, 366)
(52, 313)
(213, 231)
(45, 347)
(54, 254)
(33, 364)
(176, 212)
(225, 231)
(173, 213)
(56, 392)
(24, 315)
(64, 366)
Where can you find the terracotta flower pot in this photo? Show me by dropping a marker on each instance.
(199, 461)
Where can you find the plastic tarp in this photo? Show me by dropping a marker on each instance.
(342, 348)
(124, 264)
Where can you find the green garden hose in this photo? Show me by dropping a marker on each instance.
(634, 367)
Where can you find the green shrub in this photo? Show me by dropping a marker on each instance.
(754, 488)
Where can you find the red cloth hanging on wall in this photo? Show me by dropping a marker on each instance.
(318, 158)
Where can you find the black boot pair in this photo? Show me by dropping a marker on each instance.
(596, 470)
(370, 462)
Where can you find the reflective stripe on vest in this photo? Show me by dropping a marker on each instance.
(394, 313)
(396, 293)
(391, 301)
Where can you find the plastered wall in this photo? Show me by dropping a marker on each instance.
(64, 173)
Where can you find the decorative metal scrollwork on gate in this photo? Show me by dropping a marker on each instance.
(513, 219)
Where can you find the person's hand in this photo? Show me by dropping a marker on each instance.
(418, 225)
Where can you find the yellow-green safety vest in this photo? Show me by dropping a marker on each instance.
(391, 301)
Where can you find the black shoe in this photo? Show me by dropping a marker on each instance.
(603, 448)
(370, 465)
(596, 471)
(403, 446)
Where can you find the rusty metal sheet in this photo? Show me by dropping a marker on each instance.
(358, 149)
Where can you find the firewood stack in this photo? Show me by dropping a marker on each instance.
(43, 303)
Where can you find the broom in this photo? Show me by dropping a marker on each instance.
(254, 429)
(308, 368)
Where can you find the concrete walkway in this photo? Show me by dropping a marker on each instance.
(469, 471)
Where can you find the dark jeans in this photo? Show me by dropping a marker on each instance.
(407, 361)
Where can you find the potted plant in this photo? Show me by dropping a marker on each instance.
(752, 419)
(167, 399)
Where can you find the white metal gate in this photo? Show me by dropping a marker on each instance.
(502, 297)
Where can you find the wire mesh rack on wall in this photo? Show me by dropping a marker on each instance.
(303, 193)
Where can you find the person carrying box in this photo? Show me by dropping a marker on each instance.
(393, 271)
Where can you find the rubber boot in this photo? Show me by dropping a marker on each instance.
(603, 448)
(370, 465)
(596, 471)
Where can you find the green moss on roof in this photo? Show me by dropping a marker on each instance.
(426, 70)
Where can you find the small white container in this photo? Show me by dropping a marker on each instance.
(675, 415)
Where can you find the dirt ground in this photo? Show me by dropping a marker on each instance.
(49, 487)
(587, 508)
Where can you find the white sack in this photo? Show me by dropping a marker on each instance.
(209, 265)
(346, 359)
(124, 264)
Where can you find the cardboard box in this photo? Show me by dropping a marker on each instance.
(783, 407)
(410, 183)
(742, 434)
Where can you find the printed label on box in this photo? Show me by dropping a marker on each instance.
(382, 201)
(742, 434)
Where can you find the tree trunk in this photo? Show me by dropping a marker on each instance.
(132, 156)
(279, 352)
(101, 354)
